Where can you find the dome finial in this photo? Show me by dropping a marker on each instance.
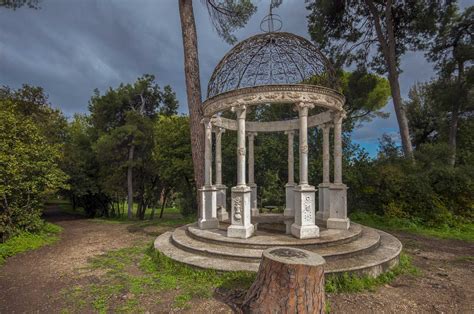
(271, 22)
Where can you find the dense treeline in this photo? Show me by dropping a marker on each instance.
(132, 147)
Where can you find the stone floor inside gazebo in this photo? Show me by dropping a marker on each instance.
(359, 250)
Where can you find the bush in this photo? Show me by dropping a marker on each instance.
(429, 190)
(29, 171)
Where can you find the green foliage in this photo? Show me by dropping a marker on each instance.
(25, 241)
(365, 94)
(463, 230)
(346, 30)
(29, 170)
(351, 283)
(429, 191)
(172, 155)
(120, 140)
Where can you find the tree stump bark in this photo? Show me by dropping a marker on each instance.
(289, 280)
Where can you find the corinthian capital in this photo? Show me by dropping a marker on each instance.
(303, 107)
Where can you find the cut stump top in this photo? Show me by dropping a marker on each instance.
(294, 256)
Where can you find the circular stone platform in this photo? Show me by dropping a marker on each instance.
(359, 250)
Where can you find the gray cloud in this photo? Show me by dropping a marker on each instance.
(71, 47)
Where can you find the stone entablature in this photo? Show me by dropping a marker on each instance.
(276, 94)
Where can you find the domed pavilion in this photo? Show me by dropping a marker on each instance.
(268, 69)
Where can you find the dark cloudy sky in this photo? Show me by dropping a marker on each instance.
(70, 47)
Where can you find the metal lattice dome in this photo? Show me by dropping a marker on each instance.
(270, 59)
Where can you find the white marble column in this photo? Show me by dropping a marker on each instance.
(304, 226)
(241, 226)
(290, 185)
(221, 188)
(324, 187)
(325, 128)
(208, 210)
(338, 149)
(338, 196)
(252, 184)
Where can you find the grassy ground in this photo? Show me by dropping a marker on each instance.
(346, 283)
(133, 272)
(29, 241)
(463, 231)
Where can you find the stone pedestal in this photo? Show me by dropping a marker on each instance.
(338, 207)
(222, 213)
(290, 200)
(208, 210)
(253, 199)
(241, 226)
(304, 226)
(324, 197)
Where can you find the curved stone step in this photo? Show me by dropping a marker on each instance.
(163, 244)
(368, 241)
(372, 263)
(265, 240)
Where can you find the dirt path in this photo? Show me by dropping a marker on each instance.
(35, 281)
(445, 284)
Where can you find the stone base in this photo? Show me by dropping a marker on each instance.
(288, 224)
(222, 214)
(366, 251)
(304, 232)
(324, 195)
(240, 227)
(242, 232)
(336, 223)
(208, 211)
(338, 207)
(211, 223)
(304, 226)
(253, 199)
(290, 199)
(221, 201)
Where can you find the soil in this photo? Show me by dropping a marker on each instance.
(34, 281)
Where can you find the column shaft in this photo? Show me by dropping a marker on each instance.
(208, 153)
(338, 149)
(291, 158)
(251, 161)
(325, 130)
(219, 132)
(303, 119)
(240, 111)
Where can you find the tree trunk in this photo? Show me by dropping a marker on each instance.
(400, 112)
(163, 203)
(130, 181)
(289, 280)
(453, 130)
(193, 89)
(453, 124)
(387, 44)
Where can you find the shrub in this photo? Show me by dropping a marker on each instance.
(28, 172)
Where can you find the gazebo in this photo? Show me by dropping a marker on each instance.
(266, 69)
(275, 68)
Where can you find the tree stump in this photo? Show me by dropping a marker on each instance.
(289, 280)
